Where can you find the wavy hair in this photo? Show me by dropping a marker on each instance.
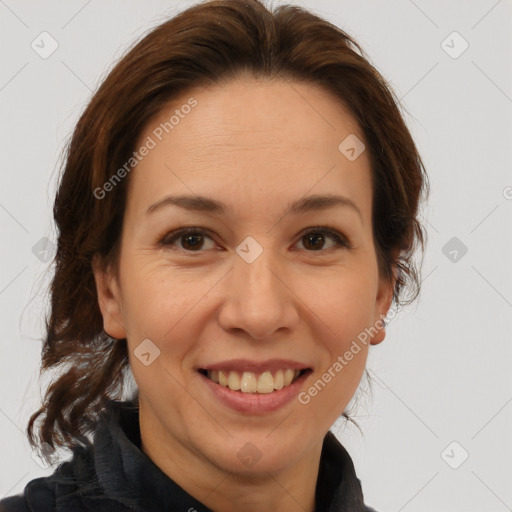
(208, 43)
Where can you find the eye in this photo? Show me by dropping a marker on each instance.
(315, 237)
(193, 239)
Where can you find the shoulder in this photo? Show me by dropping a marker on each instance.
(37, 496)
(14, 504)
(67, 488)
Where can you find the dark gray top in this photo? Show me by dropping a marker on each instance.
(114, 474)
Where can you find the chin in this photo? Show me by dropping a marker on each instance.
(254, 454)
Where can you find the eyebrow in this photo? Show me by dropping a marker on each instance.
(206, 204)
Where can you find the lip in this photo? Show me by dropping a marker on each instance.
(255, 403)
(246, 365)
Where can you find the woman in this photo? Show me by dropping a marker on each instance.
(237, 214)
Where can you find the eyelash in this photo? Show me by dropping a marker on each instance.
(340, 239)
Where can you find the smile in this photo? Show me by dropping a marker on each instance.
(251, 382)
(253, 387)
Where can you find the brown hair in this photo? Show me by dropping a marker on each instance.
(205, 44)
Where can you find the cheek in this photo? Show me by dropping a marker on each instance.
(345, 303)
(159, 303)
(347, 312)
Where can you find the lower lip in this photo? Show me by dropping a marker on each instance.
(255, 403)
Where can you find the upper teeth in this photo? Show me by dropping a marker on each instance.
(249, 382)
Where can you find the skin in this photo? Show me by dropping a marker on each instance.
(257, 146)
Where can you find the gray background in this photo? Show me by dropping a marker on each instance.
(443, 372)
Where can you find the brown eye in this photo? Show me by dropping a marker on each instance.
(191, 239)
(314, 239)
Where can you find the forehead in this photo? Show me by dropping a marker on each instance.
(251, 142)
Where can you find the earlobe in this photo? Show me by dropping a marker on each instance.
(383, 304)
(109, 299)
(381, 332)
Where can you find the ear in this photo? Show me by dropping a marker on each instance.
(109, 299)
(382, 305)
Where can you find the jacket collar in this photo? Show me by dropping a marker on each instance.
(129, 476)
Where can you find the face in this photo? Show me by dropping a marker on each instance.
(264, 281)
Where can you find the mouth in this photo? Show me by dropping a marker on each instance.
(248, 382)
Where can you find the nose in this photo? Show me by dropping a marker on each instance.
(259, 298)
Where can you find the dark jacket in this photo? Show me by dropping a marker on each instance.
(113, 474)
